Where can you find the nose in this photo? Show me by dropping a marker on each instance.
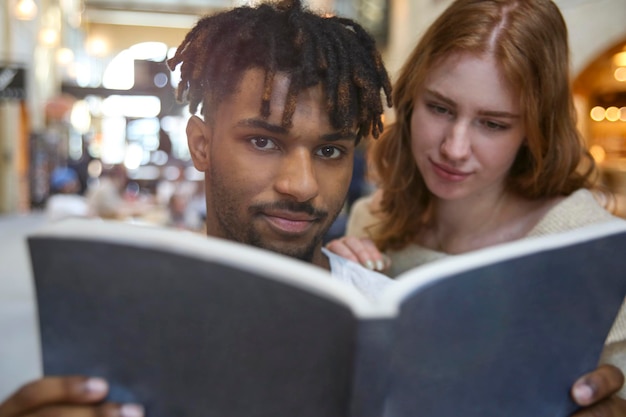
(297, 177)
(456, 145)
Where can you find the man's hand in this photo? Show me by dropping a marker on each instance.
(82, 397)
(595, 391)
(73, 396)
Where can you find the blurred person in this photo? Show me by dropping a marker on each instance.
(195, 211)
(177, 207)
(171, 175)
(111, 196)
(286, 95)
(485, 148)
(81, 164)
(182, 198)
(105, 194)
(65, 199)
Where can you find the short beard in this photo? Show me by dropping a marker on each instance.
(231, 228)
(305, 254)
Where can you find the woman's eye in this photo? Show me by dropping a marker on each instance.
(494, 125)
(438, 109)
(262, 143)
(330, 152)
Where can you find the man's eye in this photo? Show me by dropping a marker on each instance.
(330, 152)
(262, 143)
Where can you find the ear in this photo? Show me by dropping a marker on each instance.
(199, 136)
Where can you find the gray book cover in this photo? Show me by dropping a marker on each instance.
(194, 326)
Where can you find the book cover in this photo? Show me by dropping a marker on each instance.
(194, 326)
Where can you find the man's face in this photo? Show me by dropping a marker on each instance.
(267, 186)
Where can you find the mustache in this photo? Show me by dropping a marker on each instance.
(292, 206)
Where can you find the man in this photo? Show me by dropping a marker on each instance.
(285, 95)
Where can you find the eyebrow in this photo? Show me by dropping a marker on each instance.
(280, 130)
(261, 124)
(491, 113)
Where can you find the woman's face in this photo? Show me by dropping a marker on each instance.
(466, 128)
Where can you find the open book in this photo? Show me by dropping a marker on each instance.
(191, 326)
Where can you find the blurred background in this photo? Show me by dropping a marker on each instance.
(89, 124)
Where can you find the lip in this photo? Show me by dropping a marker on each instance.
(448, 173)
(289, 222)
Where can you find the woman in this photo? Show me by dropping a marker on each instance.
(484, 149)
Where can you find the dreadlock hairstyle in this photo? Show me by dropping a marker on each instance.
(286, 37)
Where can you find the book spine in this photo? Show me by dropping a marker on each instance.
(371, 368)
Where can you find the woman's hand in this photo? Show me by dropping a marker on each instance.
(360, 250)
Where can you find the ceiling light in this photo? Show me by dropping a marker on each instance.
(612, 114)
(25, 9)
(48, 37)
(96, 46)
(64, 56)
(597, 113)
(620, 74)
(619, 59)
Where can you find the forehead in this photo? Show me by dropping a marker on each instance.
(472, 77)
(250, 91)
(309, 112)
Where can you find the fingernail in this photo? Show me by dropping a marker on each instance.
(582, 392)
(380, 265)
(131, 410)
(369, 264)
(96, 386)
